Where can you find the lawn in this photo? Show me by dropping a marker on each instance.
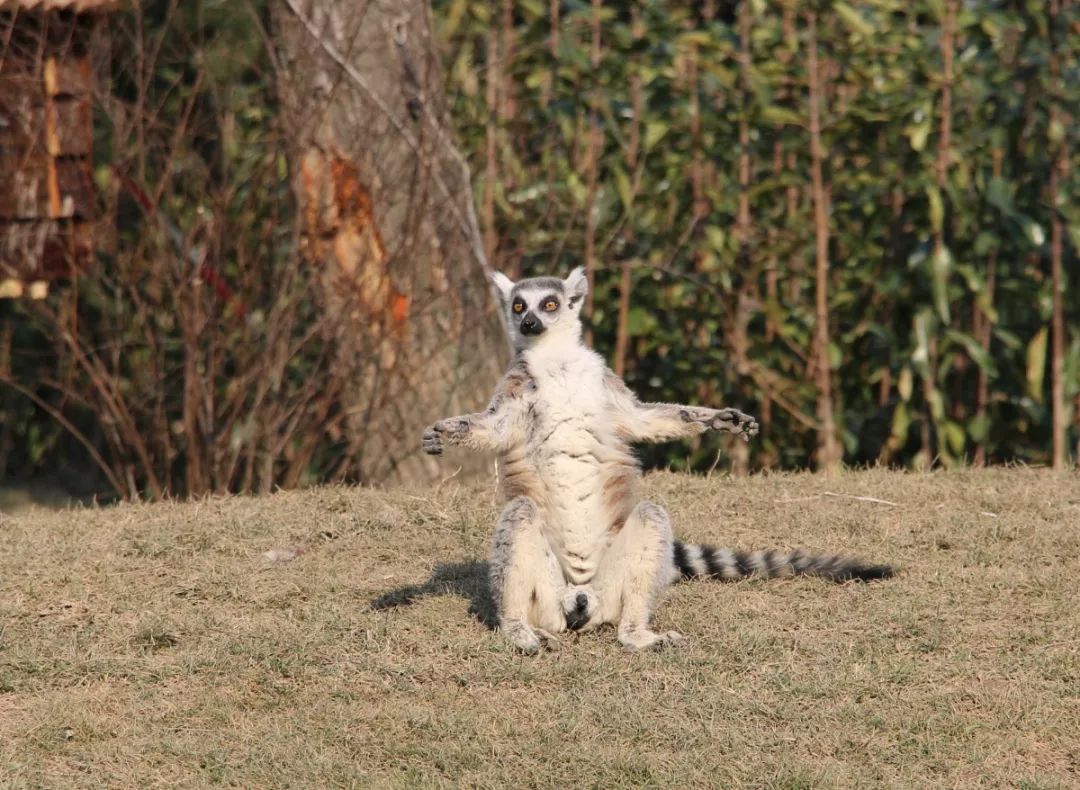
(158, 645)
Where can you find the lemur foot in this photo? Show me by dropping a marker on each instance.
(528, 639)
(432, 441)
(644, 639)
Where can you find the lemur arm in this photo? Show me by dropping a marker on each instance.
(480, 431)
(660, 422)
(492, 429)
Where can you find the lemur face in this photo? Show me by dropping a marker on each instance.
(538, 305)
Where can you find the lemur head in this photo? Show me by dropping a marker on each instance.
(543, 306)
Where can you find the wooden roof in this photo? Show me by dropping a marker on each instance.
(78, 6)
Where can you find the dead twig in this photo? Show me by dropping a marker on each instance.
(838, 496)
(861, 498)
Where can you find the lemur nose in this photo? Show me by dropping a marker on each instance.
(530, 326)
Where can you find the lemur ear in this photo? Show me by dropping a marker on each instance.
(576, 285)
(503, 283)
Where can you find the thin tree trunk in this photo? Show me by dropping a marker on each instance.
(697, 158)
(1057, 332)
(941, 169)
(772, 277)
(622, 340)
(796, 266)
(554, 7)
(592, 166)
(1058, 165)
(742, 218)
(828, 448)
(507, 104)
(926, 434)
(633, 149)
(491, 166)
(740, 451)
(947, 44)
(984, 327)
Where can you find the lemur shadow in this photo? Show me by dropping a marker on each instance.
(465, 579)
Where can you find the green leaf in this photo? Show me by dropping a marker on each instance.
(978, 354)
(985, 242)
(452, 17)
(937, 208)
(1036, 365)
(639, 321)
(781, 116)
(905, 383)
(716, 237)
(1074, 235)
(1034, 231)
(917, 133)
(901, 422)
(623, 187)
(1009, 339)
(998, 195)
(940, 269)
(1071, 366)
(654, 133)
(955, 438)
(937, 405)
(979, 428)
(920, 357)
(836, 356)
(853, 19)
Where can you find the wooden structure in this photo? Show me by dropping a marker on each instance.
(46, 188)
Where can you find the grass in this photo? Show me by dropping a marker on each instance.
(153, 645)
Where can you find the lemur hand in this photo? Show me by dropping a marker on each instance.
(734, 421)
(729, 420)
(444, 430)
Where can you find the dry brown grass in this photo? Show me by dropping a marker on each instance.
(153, 646)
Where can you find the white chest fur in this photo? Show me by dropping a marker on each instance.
(569, 381)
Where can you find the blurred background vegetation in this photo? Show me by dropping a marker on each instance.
(858, 221)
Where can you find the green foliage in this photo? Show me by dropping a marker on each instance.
(938, 281)
(724, 314)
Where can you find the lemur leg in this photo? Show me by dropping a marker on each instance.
(636, 568)
(526, 581)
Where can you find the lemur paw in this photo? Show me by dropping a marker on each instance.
(644, 639)
(527, 639)
(432, 440)
(734, 421)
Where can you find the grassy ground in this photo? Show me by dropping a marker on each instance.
(155, 645)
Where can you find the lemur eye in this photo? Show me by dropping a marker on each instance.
(551, 305)
(518, 307)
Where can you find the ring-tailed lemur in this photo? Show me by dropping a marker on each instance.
(575, 545)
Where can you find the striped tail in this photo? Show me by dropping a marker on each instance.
(706, 562)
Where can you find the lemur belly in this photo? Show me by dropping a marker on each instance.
(572, 462)
(575, 517)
